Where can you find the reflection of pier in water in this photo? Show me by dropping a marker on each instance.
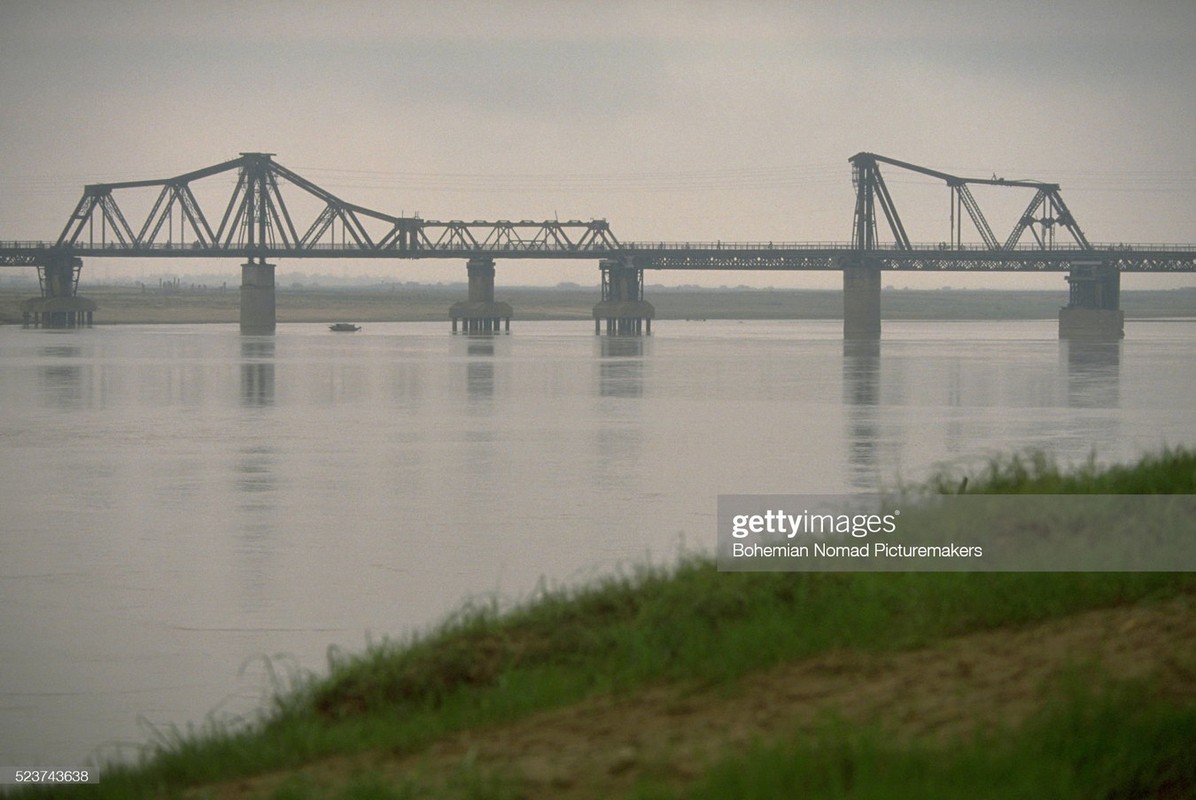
(63, 381)
(1086, 378)
(861, 395)
(479, 369)
(257, 371)
(621, 366)
(1093, 383)
(619, 439)
(1093, 373)
(257, 489)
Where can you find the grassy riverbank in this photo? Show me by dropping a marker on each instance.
(693, 683)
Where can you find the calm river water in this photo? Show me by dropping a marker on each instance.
(180, 504)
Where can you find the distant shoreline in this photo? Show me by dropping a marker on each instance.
(192, 305)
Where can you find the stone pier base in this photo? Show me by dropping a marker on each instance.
(861, 301)
(480, 313)
(627, 318)
(623, 305)
(258, 314)
(58, 312)
(1093, 310)
(1091, 323)
(480, 317)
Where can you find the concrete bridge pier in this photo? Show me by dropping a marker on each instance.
(1093, 310)
(59, 306)
(861, 299)
(623, 305)
(479, 313)
(257, 298)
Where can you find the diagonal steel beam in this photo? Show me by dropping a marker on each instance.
(886, 204)
(195, 215)
(1027, 221)
(114, 217)
(986, 233)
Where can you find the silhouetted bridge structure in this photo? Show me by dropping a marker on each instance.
(274, 213)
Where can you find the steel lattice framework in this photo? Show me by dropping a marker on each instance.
(257, 221)
(1044, 217)
(273, 212)
(871, 190)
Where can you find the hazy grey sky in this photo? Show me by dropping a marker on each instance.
(673, 120)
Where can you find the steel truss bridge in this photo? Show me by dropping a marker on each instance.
(255, 209)
(272, 212)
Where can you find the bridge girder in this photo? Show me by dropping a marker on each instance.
(915, 260)
(682, 256)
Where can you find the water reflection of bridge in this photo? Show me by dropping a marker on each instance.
(273, 213)
(1086, 378)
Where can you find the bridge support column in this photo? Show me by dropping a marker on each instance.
(1093, 310)
(480, 313)
(59, 306)
(258, 315)
(623, 305)
(861, 299)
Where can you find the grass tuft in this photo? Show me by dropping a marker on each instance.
(1171, 471)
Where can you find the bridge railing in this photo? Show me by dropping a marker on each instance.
(595, 248)
(722, 245)
(977, 247)
(26, 245)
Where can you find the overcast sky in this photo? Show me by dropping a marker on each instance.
(672, 120)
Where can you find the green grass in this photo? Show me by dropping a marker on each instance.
(1172, 471)
(486, 665)
(1116, 743)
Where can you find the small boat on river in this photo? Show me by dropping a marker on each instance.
(344, 327)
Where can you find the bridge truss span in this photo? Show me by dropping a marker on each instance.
(1045, 214)
(257, 210)
(254, 208)
(269, 211)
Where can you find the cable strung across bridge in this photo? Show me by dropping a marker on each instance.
(273, 212)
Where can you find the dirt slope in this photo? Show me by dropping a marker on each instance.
(600, 747)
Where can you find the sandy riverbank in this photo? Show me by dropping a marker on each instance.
(153, 305)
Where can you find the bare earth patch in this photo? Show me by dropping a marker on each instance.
(601, 747)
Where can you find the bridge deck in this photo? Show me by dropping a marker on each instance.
(676, 255)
